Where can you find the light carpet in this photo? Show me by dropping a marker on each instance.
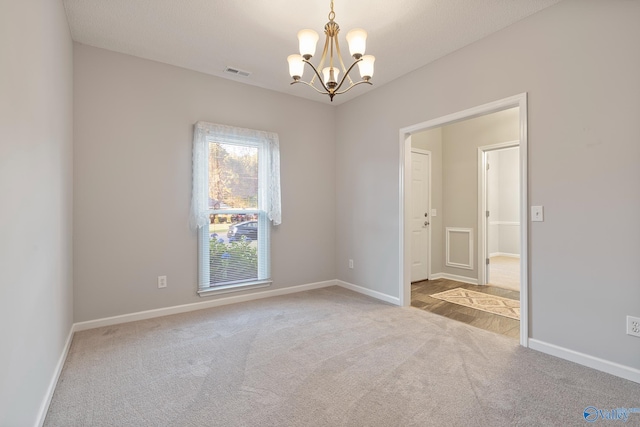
(480, 301)
(328, 357)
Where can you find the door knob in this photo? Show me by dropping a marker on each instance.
(426, 223)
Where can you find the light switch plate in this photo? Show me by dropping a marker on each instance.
(434, 212)
(537, 213)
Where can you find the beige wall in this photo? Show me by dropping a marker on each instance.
(132, 154)
(36, 94)
(579, 63)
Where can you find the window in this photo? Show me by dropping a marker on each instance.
(236, 193)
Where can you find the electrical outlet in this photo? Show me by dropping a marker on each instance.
(162, 281)
(350, 263)
(633, 326)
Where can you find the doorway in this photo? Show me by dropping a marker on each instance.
(462, 236)
(499, 215)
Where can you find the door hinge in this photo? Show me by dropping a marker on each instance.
(487, 214)
(487, 166)
(487, 261)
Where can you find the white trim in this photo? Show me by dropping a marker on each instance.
(504, 254)
(238, 287)
(470, 113)
(44, 406)
(524, 221)
(448, 262)
(404, 225)
(420, 150)
(500, 146)
(504, 223)
(622, 371)
(455, 277)
(368, 292)
(184, 308)
(482, 217)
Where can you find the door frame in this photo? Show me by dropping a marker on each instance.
(483, 231)
(428, 154)
(404, 259)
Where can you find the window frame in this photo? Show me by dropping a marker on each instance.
(268, 203)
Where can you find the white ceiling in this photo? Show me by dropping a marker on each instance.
(258, 35)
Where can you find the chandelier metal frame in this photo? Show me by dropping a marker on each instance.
(330, 85)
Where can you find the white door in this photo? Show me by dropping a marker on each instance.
(492, 207)
(420, 215)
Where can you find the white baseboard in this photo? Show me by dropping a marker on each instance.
(504, 254)
(455, 277)
(593, 362)
(369, 292)
(176, 309)
(44, 406)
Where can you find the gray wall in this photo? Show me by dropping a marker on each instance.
(579, 62)
(36, 94)
(132, 155)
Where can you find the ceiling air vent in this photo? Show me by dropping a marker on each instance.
(236, 72)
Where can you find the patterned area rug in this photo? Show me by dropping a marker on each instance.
(490, 303)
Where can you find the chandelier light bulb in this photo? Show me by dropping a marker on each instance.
(330, 75)
(307, 40)
(366, 67)
(296, 66)
(357, 40)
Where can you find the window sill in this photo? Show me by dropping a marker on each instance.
(225, 289)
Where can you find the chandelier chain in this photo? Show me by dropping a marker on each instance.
(332, 14)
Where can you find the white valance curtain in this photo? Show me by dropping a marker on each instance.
(203, 133)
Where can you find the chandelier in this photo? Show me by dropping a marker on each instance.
(328, 80)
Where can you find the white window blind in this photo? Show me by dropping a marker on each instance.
(236, 192)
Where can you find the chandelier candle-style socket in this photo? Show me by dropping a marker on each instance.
(328, 76)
